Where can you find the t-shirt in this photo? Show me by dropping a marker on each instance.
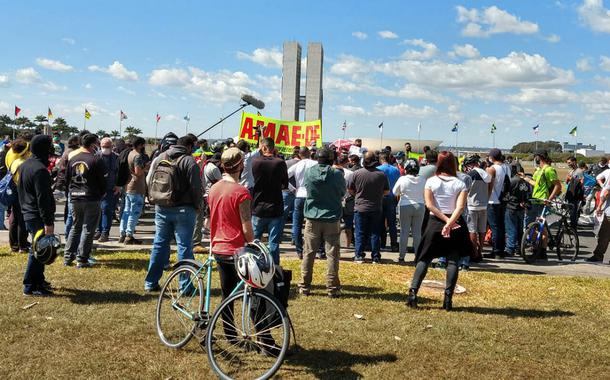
(427, 171)
(136, 185)
(211, 175)
(297, 171)
(225, 221)
(498, 184)
(446, 190)
(478, 191)
(603, 176)
(544, 179)
(410, 188)
(247, 179)
(369, 185)
(392, 174)
(270, 177)
(606, 207)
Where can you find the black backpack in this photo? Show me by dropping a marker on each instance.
(505, 193)
(124, 173)
(575, 190)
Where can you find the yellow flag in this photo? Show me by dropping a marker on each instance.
(87, 114)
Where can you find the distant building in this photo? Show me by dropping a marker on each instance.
(567, 147)
(591, 152)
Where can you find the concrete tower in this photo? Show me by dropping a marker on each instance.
(313, 84)
(291, 80)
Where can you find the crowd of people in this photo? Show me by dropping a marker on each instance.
(232, 194)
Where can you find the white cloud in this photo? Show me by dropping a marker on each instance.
(126, 90)
(169, 77)
(542, 96)
(465, 51)
(403, 110)
(4, 81)
(514, 70)
(351, 110)
(492, 20)
(553, 38)
(117, 70)
(27, 76)
(50, 86)
(429, 50)
(360, 35)
(88, 86)
(593, 14)
(349, 65)
(596, 101)
(68, 40)
(172, 117)
(387, 34)
(4, 107)
(413, 91)
(604, 63)
(583, 64)
(50, 64)
(265, 57)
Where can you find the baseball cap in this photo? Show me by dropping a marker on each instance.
(231, 158)
(495, 154)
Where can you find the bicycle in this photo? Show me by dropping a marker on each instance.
(560, 236)
(246, 337)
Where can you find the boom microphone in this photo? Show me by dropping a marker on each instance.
(251, 100)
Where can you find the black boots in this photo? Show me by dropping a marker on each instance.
(448, 301)
(412, 298)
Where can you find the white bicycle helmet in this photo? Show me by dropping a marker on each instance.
(254, 264)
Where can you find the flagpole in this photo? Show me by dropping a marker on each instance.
(381, 137)
(85, 123)
(418, 138)
(156, 128)
(121, 126)
(344, 128)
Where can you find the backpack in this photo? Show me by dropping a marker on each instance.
(164, 182)
(8, 190)
(124, 173)
(575, 190)
(280, 285)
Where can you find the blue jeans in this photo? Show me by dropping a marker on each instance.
(178, 222)
(514, 229)
(288, 199)
(297, 223)
(389, 219)
(368, 226)
(533, 213)
(108, 206)
(133, 208)
(33, 278)
(275, 227)
(495, 218)
(69, 219)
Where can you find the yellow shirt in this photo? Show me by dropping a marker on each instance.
(14, 160)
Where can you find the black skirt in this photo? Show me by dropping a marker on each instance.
(434, 245)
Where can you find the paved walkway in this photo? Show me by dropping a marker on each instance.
(146, 227)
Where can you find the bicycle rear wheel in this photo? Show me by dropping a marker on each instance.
(248, 336)
(568, 245)
(531, 243)
(179, 308)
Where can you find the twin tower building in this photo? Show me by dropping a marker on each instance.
(292, 100)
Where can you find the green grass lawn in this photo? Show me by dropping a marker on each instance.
(101, 324)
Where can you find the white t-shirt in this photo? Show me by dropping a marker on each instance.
(605, 190)
(410, 188)
(603, 176)
(298, 172)
(494, 197)
(446, 191)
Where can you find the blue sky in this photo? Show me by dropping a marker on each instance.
(512, 63)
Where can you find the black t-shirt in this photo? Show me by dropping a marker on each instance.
(270, 177)
(369, 185)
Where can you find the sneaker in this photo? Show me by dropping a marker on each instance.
(47, 285)
(97, 235)
(395, 248)
(81, 265)
(401, 260)
(68, 262)
(304, 291)
(594, 259)
(200, 249)
(464, 267)
(103, 237)
(38, 293)
(322, 256)
(376, 261)
(130, 240)
(92, 260)
(300, 255)
(359, 260)
(122, 239)
(334, 293)
(152, 289)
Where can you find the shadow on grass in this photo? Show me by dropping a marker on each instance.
(88, 297)
(365, 292)
(130, 264)
(333, 364)
(514, 312)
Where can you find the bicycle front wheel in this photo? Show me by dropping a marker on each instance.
(568, 244)
(248, 336)
(531, 242)
(179, 308)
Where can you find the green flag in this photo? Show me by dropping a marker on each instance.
(493, 128)
(574, 131)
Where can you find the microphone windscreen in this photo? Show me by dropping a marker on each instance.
(251, 100)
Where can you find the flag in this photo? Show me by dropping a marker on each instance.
(455, 127)
(344, 126)
(187, 117)
(380, 127)
(158, 118)
(574, 131)
(123, 115)
(258, 113)
(87, 114)
(493, 128)
(17, 110)
(536, 128)
(49, 114)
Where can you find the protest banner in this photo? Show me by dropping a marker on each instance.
(286, 134)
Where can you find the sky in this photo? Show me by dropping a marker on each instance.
(515, 64)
